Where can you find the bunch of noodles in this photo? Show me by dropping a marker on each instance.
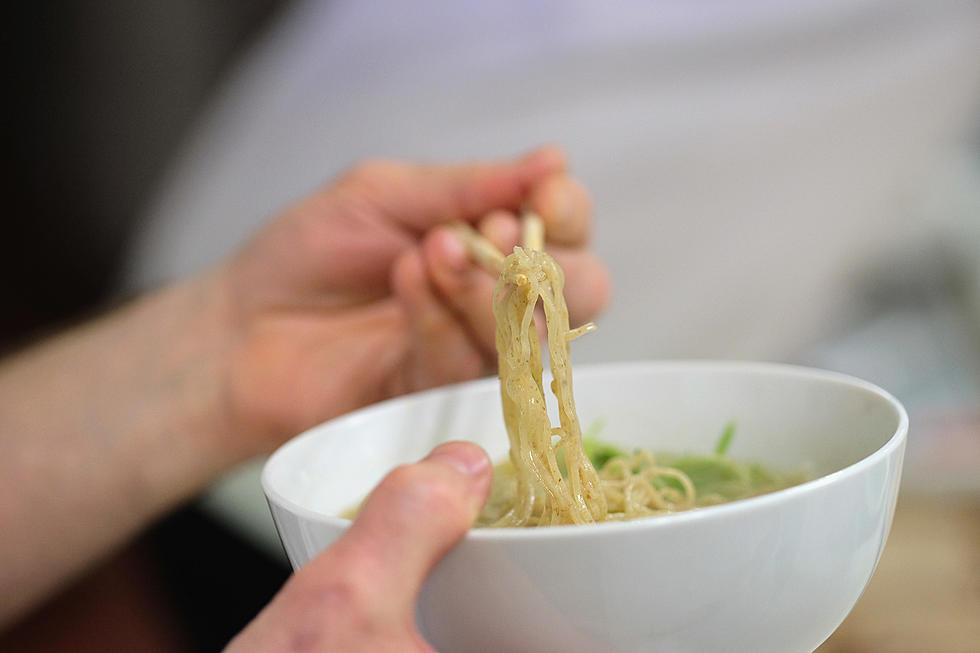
(550, 480)
(550, 477)
(634, 487)
(543, 494)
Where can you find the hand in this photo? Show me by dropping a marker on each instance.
(357, 294)
(352, 296)
(359, 595)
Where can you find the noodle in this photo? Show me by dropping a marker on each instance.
(544, 496)
(549, 477)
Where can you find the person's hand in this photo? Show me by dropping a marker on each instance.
(359, 594)
(357, 294)
(354, 295)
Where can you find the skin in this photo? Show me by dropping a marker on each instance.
(359, 595)
(354, 295)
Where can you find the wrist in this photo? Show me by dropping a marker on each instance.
(106, 426)
(203, 352)
(171, 353)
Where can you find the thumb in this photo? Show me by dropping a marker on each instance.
(413, 518)
(359, 594)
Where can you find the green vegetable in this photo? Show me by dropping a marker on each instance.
(714, 474)
(599, 452)
(725, 440)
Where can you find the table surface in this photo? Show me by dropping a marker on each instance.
(925, 594)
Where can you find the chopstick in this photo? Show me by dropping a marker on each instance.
(486, 253)
(532, 231)
(480, 249)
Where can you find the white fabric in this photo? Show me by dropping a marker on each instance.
(745, 158)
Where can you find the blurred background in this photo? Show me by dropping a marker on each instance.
(795, 182)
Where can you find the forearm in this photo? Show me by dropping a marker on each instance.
(102, 429)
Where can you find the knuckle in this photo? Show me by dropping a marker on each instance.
(339, 595)
(316, 607)
(452, 503)
(420, 491)
(403, 480)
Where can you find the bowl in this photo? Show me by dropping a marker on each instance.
(778, 572)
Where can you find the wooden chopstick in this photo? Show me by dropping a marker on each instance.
(480, 249)
(486, 253)
(532, 231)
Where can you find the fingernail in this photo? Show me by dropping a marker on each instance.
(563, 210)
(464, 456)
(454, 252)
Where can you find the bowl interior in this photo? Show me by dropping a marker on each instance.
(786, 417)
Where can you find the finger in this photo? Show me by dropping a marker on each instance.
(502, 229)
(465, 287)
(412, 519)
(587, 285)
(565, 208)
(441, 348)
(469, 290)
(420, 196)
(360, 593)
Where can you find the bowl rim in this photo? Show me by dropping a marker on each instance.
(894, 441)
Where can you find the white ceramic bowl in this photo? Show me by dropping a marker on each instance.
(773, 573)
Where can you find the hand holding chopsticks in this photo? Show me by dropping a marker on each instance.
(486, 253)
